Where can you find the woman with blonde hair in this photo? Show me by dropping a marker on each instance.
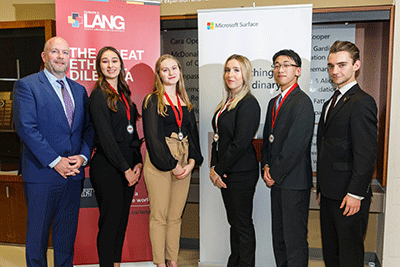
(173, 150)
(235, 168)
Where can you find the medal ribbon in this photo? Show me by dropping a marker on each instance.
(127, 107)
(178, 116)
(222, 110)
(275, 114)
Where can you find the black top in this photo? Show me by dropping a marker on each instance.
(236, 129)
(157, 127)
(111, 130)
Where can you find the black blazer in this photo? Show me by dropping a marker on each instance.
(289, 155)
(347, 146)
(236, 129)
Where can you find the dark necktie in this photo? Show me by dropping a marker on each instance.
(332, 105)
(69, 106)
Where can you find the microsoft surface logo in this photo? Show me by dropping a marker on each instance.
(210, 25)
(74, 20)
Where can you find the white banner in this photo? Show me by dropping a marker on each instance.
(321, 85)
(257, 33)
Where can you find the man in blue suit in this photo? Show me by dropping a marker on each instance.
(52, 120)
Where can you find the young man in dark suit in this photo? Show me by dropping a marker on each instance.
(52, 120)
(286, 161)
(347, 149)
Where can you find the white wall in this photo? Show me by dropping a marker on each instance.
(391, 248)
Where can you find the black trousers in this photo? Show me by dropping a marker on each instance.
(238, 201)
(114, 199)
(342, 236)
(289, 210)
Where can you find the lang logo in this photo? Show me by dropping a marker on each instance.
(210, 25)
(94, 21)
(74, 20)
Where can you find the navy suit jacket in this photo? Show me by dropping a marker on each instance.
(288, 156)
(42, 125)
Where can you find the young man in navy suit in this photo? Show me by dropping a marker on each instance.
(347, 149)
(52, 120)
(286, 161)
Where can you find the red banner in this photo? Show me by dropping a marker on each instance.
(134, 29)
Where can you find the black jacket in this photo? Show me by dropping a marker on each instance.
(347, 146)
(236, 129)
(289, 155)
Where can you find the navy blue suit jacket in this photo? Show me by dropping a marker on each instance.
(42, 125)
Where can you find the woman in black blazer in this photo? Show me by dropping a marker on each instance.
(235, 168)
(116, 165)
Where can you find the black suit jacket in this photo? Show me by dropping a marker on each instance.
(289, 155)
(347, 146)
(236, 129)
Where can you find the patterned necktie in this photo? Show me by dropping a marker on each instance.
(69, 106)
(332, 105)
(278, 102)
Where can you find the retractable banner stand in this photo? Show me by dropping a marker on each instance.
(134, 29)
(257, 33)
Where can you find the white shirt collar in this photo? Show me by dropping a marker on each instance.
(286, 90)
(52, 78)
(347, 87)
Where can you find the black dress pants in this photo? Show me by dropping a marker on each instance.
(343, 236)
(114, 199)
(289, 210)
(238, 201)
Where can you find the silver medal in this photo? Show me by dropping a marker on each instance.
(129, 128)
(271, 138)
(180, 136)
(216, 137)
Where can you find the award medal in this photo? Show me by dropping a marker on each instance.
(129, 128)
(275, 114)
(180, 136)
(178, 115)
(271, 138)
(216, 137)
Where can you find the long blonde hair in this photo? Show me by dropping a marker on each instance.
(159, 89)
(245, 67)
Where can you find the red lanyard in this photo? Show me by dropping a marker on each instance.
(280, 104)
(222, 110)
(178, 117)
(127, 107)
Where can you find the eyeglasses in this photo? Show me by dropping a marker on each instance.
(285, 66)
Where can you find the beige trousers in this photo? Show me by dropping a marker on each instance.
(167, 197)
